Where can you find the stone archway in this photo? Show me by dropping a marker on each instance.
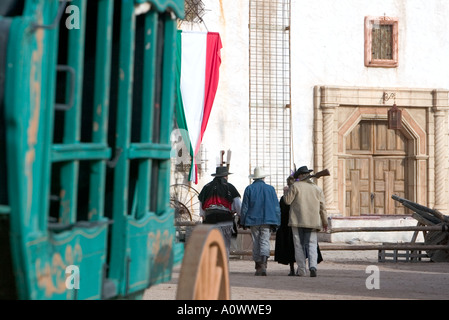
(337, 110)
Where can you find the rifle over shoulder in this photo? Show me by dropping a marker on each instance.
(319, 174)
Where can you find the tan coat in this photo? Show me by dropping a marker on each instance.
(307, 205)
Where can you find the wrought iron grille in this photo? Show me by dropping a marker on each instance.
(269, 93)
(194, 10)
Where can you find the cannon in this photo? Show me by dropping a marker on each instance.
(434, 219)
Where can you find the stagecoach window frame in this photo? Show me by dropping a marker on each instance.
(146, 152)
(77, 162)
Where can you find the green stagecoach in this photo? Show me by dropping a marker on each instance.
(87, 93)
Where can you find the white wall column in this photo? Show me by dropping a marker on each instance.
(441, 155)
(328, 111)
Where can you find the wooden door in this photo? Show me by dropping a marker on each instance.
(375, 169)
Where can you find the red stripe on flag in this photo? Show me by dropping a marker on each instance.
(213, 62)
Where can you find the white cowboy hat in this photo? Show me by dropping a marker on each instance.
(258, 174)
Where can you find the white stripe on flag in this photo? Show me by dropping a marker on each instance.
(192, 83)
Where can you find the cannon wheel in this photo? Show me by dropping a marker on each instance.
(204, 272)
(437, 238)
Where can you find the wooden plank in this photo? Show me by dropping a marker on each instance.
(351, 247)
(381, 137)
(355, 193)
(100, 116)
(439, 228)
(355, 138)
(398, 166)
(389, 189)
(391, 140)
(365, 132)
(72, 120)
(407, 256)
(147, 120)
(415, 236)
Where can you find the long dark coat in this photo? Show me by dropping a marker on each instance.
(284, 250)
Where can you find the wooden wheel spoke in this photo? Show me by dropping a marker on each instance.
(204, 272)
(182, 194)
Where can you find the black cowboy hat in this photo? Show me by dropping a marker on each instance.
(221, 172)
(302, 170)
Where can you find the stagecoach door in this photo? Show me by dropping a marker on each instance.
(88, 108)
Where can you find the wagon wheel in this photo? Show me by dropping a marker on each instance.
(182, 213)
(437, 238)
(204, 272)
(184, 199)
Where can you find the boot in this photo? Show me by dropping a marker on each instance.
(263, 271)
(258, 268)
(292, 269)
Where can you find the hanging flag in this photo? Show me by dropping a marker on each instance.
(198, 63)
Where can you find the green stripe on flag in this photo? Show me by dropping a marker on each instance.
(180, 115)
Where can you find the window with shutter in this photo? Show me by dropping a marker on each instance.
(381, 42)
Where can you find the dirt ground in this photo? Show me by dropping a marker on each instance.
(343, 275)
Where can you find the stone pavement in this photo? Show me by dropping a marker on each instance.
(343, 275)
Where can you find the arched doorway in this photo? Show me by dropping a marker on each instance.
(376, 166)
(423, 159)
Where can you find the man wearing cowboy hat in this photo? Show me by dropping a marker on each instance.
(261, 213)
(219, 201)
(307, 216)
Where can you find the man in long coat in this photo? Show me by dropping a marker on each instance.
(307, 216)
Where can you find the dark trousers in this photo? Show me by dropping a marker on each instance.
(215, 216)
(223, 220)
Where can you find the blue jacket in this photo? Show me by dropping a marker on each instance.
(260, 205)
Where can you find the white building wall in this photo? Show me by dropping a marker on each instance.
(327, 48)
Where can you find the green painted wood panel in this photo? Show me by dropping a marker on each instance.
(142, 249)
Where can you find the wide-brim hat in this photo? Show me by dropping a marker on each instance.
(302, 170)
(221, 172)
(258, 174)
